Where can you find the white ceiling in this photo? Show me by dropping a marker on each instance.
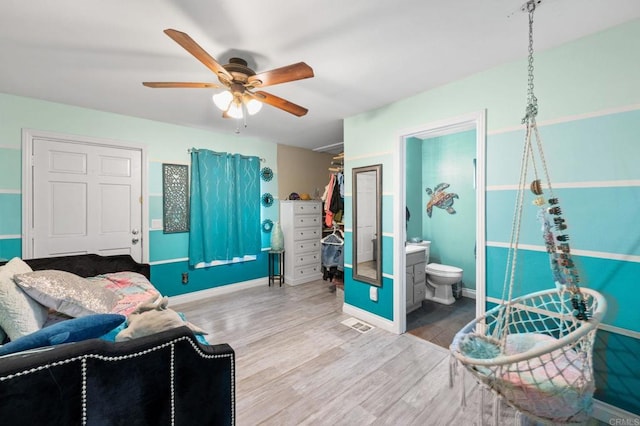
(365, 53)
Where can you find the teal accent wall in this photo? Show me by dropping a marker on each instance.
(617, 386)
(11, 219)
(449, 159)
(168, 246)
(599, 219)
(615, 279)
(590, 138)
(10, 247)
(414, 187)
(356, 293)
(155, 181)
(155, 208)
(165, 143)
(10, 168)
(589, 149)
(167, 277)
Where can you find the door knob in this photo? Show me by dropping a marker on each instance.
(135, 231)
(135, 240)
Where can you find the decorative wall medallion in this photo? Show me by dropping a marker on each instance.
(175, 198)
(267, 199)
(440, 198)
(266, 174)
(267, 225)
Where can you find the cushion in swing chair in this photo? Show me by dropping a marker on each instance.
(550, 386)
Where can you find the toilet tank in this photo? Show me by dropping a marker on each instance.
(425, 244)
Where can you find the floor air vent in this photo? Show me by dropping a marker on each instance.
(358, 325)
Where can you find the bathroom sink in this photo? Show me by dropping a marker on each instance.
(414, 248)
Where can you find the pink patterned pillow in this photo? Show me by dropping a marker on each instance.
(133, 289)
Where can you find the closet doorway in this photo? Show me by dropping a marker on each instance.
(474, 121)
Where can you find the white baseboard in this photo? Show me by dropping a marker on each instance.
(613, 415)
(372, 319)
(469, 292)
(216, 291)
(291, 280)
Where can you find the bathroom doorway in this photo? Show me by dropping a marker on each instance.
(441, 191)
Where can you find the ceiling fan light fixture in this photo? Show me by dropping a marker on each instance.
(223, 100)
(253, 106)
(235, 110)
(238, 80)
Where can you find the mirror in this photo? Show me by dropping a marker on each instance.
(367, 224)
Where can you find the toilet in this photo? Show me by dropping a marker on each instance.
(440, 278)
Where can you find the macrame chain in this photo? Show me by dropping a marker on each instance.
(532, 101)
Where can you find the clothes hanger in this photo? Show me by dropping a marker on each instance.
(336, 231)
(334, 238)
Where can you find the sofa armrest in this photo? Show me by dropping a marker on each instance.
(165, 378)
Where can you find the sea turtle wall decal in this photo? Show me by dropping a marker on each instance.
(440, 198)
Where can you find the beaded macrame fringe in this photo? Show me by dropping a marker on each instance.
(453, 373)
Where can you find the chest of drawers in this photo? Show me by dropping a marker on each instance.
(301, 223)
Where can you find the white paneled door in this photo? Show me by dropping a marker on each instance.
(86, 199)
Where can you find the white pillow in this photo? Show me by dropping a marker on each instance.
(67, 293)
(19, 314)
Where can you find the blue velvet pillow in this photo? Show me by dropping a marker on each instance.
(73, 330)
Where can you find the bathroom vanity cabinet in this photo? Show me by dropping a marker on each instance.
(301, 223)
(416, 280)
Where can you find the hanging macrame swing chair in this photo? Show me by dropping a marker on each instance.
(535, 351)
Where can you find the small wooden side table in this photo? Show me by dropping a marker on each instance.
(276, 259)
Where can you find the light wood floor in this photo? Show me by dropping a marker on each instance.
(297, 364)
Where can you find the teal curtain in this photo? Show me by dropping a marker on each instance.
(225, 206)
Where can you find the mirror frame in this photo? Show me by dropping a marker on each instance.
(357, 274)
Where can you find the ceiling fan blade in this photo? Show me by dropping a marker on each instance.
(292, 72)
(200, 54)
(283, 104)
(170, 85)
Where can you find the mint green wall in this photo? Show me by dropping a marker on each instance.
(165, 143)
(589, 98)
(449, 159)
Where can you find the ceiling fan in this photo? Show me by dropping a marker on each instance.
(239, 80)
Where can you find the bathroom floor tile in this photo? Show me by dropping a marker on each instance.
(439, 323)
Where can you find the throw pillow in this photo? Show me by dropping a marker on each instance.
(73, 330)
(67, 293)
(19, 314)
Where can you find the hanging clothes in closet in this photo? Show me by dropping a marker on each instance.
(332, 255)
(333, 243)
(334, 199)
